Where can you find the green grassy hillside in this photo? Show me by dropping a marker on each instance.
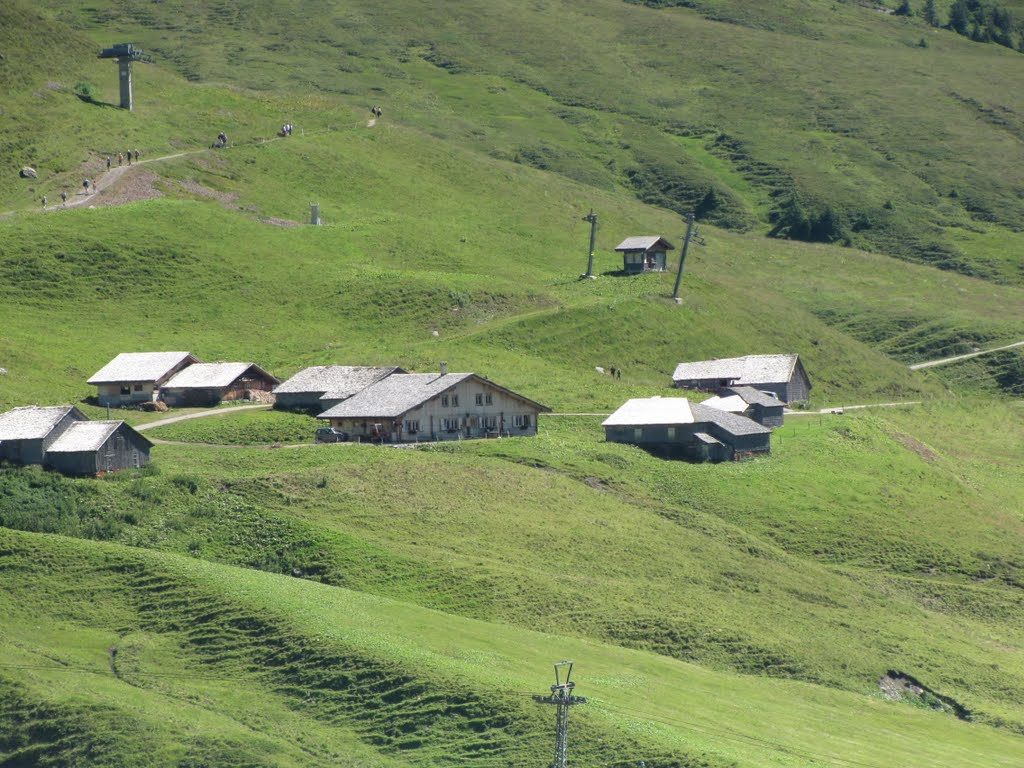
(886, 132)
(248, 601)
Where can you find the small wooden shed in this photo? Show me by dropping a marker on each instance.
(27, 432)
(92, 447)
(646, 253)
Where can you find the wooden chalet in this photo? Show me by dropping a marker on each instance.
(62, 438)
(646, 253)
(783, 375)
(412, 407)
(136, 377)
(324, 386)
(207, 384)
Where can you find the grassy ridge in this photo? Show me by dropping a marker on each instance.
(184, 620)
(728, 548)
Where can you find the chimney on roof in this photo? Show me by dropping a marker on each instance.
(444, 368)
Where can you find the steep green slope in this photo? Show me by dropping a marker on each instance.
(817, 119)
(863, 544)
(193, 656)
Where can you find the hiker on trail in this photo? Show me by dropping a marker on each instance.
(44, 201)
(120, 158)
(129, 157)
(86, 184)
(136, 155)
(108, 162)
(63, 198)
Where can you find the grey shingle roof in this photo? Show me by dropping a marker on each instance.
(643, 243)
(733, 423)
(211, 375)
(139, 366)
(753, 396)
(667, 411)
(32, 422)
(343, 380)
(394, 395)
(750, 369)
(83, 436)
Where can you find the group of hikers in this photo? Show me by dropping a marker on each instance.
(222, 141)
(121, 157)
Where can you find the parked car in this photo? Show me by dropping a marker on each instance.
(331, 435)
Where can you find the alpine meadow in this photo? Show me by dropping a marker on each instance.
(853, 172)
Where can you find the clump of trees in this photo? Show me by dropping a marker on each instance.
(793, 221)
(983, 21)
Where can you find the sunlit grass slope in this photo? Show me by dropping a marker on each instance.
(883, 547)
(187, 658)
(910, 135)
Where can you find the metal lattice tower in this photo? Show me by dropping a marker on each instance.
(562, 697)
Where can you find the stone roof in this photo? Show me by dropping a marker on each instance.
(340, 380)
(85, 436)
(398, 394)
(644, 243)
(733, 423)
(139, 366)
(669, 411)
(392, 396)
(750, 369)
(212, 375)
(33, 422)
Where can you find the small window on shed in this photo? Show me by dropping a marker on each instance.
(671, 433)
(489, 399)
(444, 401)
(479, 398)
(455, 401)
(137, 387)
(125, 389)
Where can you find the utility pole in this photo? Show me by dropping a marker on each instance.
(592, 218)
(561, 696)
(682, 257)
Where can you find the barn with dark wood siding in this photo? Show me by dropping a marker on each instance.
(675, 426)
(764, 408)
(93, 447)
(27, 432)
(207, 384)
(324, 386)
(782, 374)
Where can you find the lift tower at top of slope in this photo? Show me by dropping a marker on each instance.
(125, 54)
(561, 696)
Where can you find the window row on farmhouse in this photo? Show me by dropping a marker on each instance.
(410, 407)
